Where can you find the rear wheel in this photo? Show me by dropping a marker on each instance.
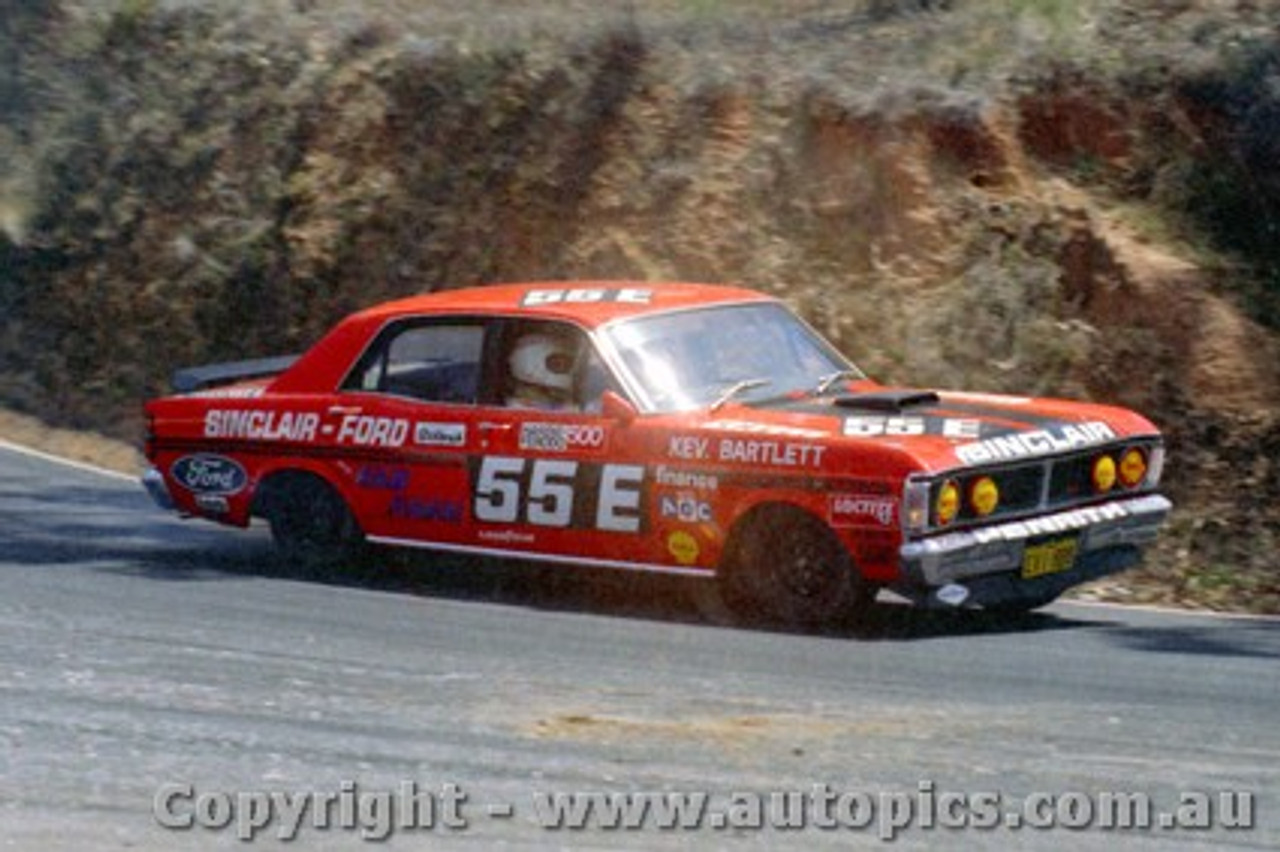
(311, 523)
(788, 568)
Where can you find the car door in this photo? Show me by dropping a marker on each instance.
(406, 425)
(553, 475)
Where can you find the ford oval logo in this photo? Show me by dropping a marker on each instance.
(205, 474)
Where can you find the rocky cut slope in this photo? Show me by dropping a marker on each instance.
(1037, 196)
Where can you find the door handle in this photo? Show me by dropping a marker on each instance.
(345, 409)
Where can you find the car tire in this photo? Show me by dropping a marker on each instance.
(312, 525)
(788, 569)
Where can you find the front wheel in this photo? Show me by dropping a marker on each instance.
(789, 569)
(311, 524)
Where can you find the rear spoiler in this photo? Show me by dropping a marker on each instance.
(192, 379)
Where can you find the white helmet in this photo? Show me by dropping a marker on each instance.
(542, 360)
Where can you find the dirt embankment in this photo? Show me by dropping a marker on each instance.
(1037, 200)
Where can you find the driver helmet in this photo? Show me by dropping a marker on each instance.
(544, 361)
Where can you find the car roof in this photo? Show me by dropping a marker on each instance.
(589, 303)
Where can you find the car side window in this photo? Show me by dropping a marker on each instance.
(436, 362)
(552, 367)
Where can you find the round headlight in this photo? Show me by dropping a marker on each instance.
(1104, 474)
(947, 505)
(1133, 467)
(984, 496)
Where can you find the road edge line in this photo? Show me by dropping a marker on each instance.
(1170, 610)
(31, 452)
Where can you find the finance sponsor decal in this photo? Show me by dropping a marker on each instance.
(675, 478)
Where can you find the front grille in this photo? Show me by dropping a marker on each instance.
(1028, 488)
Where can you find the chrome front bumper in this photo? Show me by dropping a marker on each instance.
(1111, 536)
(153, 481)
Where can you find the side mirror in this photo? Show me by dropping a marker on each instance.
(615, 407)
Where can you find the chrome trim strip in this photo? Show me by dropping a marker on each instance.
(542, 557)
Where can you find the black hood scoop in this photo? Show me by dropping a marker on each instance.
(893, 400)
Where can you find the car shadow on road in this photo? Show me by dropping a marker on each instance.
(557, 588)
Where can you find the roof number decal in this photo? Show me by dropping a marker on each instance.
(586, 295)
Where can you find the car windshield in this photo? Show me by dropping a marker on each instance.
(694, 359)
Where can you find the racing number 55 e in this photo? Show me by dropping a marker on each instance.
(558, 493)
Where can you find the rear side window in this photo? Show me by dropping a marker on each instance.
(439, 362)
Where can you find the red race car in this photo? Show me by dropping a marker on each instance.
(681, 428)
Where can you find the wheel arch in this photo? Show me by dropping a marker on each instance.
(273, 479)
(755, 513)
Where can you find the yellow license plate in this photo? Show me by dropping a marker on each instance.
(1052, 557)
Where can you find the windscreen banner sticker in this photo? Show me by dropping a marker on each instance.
(1041, 442)
(261, 425)
(210, 474)
(586, 295)
(753, 428)
(558, 493)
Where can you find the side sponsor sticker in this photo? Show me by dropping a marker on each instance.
(743, 451)
(210, 474)
(860, 510)
(685, 507)
(428, 434)
(1041, 442)
(562, 437)
(261, 425)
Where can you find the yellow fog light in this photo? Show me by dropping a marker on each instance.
(1104, 474)
(984, 496)
(1133, 467)
(948, 504)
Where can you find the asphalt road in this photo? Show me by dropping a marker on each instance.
(138, 651)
